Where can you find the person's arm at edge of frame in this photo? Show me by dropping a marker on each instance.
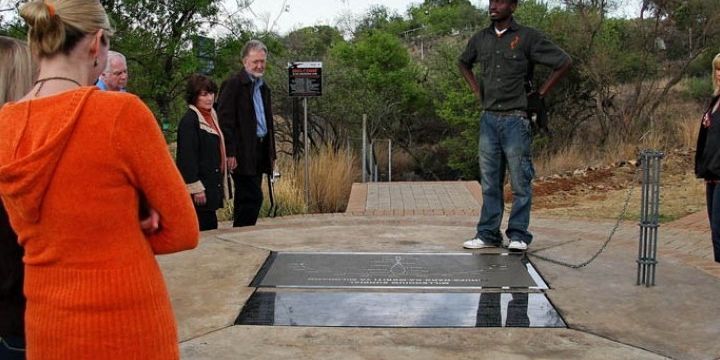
(226, 111)
(152, 170)
(554, 77)
(467, 74)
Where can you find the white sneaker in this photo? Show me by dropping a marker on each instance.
(517, 245)
(477, 243)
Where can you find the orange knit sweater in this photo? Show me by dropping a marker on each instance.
(71, 168)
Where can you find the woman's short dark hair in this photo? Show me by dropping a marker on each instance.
(196, 84)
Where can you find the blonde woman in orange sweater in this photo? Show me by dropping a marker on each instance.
(74, 164)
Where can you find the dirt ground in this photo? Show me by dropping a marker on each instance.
(601, 192)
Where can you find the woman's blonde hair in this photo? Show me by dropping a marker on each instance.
(57, 26)
(715, 67)
(16, 69)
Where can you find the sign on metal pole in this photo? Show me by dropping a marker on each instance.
(305, 78)
(204, 50)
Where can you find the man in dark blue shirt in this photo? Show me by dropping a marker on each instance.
(507, 51)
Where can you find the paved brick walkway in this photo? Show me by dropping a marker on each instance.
(416, 198)
(686, 240)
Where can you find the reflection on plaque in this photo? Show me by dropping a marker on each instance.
(372, 309)
(398, 270)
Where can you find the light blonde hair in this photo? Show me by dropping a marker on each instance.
(57, 26)
(715, 67)
(16, 69)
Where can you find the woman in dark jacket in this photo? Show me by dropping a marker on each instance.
(201, 151)
(707, 157)
(16, 74)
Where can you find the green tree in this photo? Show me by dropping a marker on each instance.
(312, 43)
(458, 108)
(443, 17)
(156, 37)
(383, 19)
(375, 75)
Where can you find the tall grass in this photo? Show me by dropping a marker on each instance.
(331, 176)
(580, 156)
(676, 126)
(687, 129)
(288, 193)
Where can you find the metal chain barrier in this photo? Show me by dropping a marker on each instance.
(602, 248)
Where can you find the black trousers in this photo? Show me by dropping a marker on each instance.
(248, 189)
(207, 219)
(248, 199)
(713, 210)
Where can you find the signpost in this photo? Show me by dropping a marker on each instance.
(204, 49)
(304, 80)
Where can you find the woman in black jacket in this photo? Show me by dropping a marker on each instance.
(201, 151)
(16, 75)
(707, 157)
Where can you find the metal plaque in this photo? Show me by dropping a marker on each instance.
(373, 309)
(398, 270)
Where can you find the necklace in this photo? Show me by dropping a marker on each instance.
(44, 80)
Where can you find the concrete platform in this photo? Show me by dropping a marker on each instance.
(608, 316)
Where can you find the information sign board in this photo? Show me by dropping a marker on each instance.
(305, 79)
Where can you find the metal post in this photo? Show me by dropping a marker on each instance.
(307, 163)
(371, 161)
(649, 217)
(389, 160)
(364, 148)
(654, 241)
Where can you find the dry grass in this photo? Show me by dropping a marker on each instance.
(674, 132)
(579, 156)
(675, 126)
(687, 129)
(680, 195)
(287, 191)
(331, 176)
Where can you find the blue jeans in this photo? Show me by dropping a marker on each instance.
(713, 209)
(505, 141)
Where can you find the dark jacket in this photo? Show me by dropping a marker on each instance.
(707, 155)
(239, 124)
(199, 159)
(507, 63)
(12, 301)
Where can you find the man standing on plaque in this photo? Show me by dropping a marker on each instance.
(506, 52)
(245, 114)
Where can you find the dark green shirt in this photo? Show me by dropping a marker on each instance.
(505, 60)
